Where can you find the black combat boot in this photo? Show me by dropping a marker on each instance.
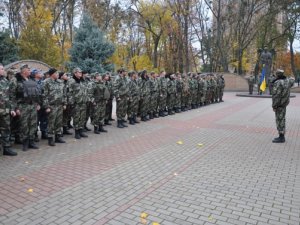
(280, 139)
(77, 134)
(82, 134)
(66, 131)
(131, 121)
(143, 118)
(161, 114)
(36, 137)
(8, 151)
(32, 144)
(58, 139)
(44, 135)
(151, 116)
(106, 122)
(86, 128)
(123, 123)
(135, 120)
(51, 141)
(101, 129)
(96, 131)
(111, 119)
(25, 145)
(120, 125)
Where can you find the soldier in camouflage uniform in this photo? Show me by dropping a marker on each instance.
(222, 86)
(171, 94)
(251, 82)
(55, 102)
(134, 98)
(145, 95)
(100, 95)
(213, 88)
(121, 92)
(78, 97)
(6, 110)
(88, 86)
(178, 100)
(185, 92)
(163, 83)
(280, 100)
(194, 90)
(109, 104)
(67, 112)
(26, 95)
(154, 94)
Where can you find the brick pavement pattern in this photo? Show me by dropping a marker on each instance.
(238, 176)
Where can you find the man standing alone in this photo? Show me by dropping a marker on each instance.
(280, 100)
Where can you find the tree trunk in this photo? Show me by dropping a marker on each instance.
(155, 53)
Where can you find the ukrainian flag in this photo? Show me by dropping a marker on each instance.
(263, 83)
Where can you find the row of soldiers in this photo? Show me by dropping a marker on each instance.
(29, 100)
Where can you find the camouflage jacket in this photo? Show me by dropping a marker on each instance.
(251, 80)
(163, 85)
(145, 87)
(77, 91)
(53, 94)
(120, 87)
(134, 89)
(99, 92)
(18, 91)
(171, 86)
(154, 86)
(109, 86)
(5, 101)
(281, 92)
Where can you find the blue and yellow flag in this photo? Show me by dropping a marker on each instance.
(263, 83)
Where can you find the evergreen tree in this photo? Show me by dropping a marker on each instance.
(90, 49)
(8, 48)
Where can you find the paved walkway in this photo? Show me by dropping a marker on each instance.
(213, 165)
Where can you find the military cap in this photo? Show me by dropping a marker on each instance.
(23, 66)
(77, 69)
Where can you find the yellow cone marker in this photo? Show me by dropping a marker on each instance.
(30, 190)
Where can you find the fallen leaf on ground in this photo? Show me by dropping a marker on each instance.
(144, 215)
(200, 145)
(155, 223)
(179, 142)
(143, 221)
(22, 179)
(30, 190)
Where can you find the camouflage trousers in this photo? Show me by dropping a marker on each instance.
(221, 94)
(162, 102)
(28, 121)
(4, 129)
(79, 116)
(251, 89)
(203, 96)
(98, 113)
(144, 105)
(194, 97)
(109, 106)
(280, 119)
(154, 102)
(217, 97)
(55, 120)
(171, 101)
(15, 125)
(178, 100)
(184, 100)
(67, 116)
(133, 107)
(121, 109)
(89, 110)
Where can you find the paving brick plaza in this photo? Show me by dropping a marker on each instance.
(212, 165)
